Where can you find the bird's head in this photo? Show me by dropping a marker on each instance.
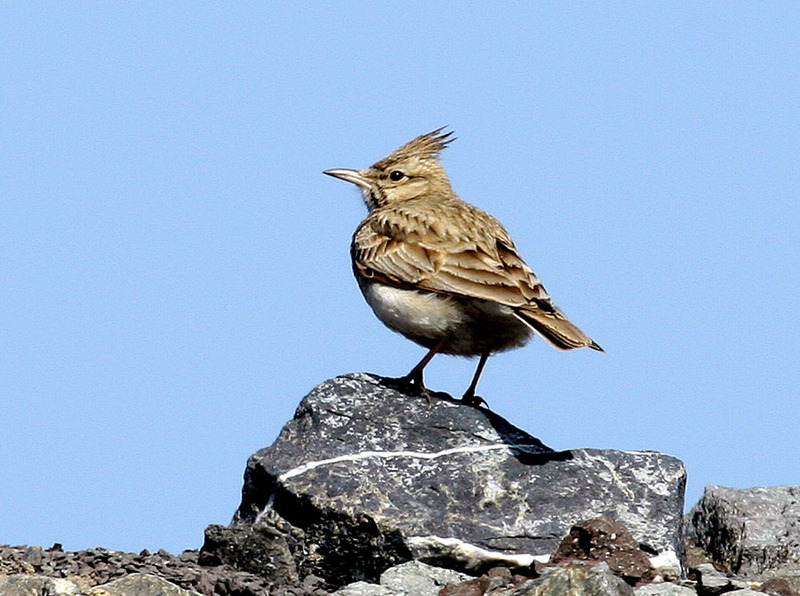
(409, 172)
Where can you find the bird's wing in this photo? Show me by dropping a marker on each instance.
(461, 251)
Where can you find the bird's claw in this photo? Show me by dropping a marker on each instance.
(475, 401)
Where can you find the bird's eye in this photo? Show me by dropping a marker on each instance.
(396, 176)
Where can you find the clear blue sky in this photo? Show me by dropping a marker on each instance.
(175, 272)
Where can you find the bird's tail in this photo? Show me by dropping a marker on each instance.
(556, 329)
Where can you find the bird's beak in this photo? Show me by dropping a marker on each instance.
(353, 176)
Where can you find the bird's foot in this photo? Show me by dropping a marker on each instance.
(410, 385)
(413, 385)
(476, 401)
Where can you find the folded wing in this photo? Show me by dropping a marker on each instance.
(461, 252)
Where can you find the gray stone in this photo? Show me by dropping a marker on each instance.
(711, 581)
(576, 578)
(667, 567)
(366, 589)
(371, 477)
(408, 579)
(750, 531)
(664, 589)
(36, 585)
(140, 584)
(416, 578)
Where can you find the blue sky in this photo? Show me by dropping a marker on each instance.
(175, 272)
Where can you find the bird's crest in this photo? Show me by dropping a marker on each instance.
(427, 146)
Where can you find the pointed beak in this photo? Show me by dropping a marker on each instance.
(353, 176)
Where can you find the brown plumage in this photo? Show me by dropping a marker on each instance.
(442, 272)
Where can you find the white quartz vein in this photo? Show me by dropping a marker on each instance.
(385, 455)
(389, 454)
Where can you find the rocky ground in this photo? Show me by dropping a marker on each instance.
(88, 569)
(366, 492)
(599, 557)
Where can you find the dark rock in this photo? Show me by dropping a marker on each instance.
(604, 539)
(753, 532)
(497, 578)
(85, 570)
(712, 582)
(477, 586)
(369, 477)
(34, 556)
(778, 586)
(695, 556)
(261, 549)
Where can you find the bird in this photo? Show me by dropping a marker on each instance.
(442, 272)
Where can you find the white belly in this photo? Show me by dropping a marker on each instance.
(470, 326)
(417, 315)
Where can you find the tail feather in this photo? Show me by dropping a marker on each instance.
(557, 329)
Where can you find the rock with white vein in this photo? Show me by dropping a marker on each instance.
(369, 477)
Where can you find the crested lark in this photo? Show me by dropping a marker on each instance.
(444, 273)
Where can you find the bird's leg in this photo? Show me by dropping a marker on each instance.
(414, 378)
(469, 396)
